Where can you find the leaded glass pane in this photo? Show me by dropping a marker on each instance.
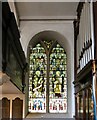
(58, 81)
(37, 79)
(57, 68)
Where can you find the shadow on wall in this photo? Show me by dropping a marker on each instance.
(50, 35)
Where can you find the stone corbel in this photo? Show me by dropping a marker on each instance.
(3, 78)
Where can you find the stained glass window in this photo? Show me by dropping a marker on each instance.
(55, 63)
(37, 79)
(58, 81)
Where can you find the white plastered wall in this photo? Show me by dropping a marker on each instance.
(65, 28)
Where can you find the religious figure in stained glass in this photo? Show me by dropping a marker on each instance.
(58, 80)
(37, 79)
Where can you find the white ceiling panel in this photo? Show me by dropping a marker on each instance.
(35, 10)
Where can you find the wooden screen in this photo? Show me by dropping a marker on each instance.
(5, 108)
(17, 108)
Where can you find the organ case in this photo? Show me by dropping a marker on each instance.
(85, 30)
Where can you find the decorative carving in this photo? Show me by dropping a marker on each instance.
(48, 43)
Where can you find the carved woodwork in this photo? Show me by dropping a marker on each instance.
(84, 78)
(17, 109)
(5, 109)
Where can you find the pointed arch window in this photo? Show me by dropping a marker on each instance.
(47, 78)
(37, 79)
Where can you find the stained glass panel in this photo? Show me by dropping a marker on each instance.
(37, 79)
(58, 81)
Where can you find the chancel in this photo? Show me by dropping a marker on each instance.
(49, 60)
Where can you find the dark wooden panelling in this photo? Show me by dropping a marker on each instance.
(79, 9)
(85, 74)
(75, 50)
(6, 17)
(1, 108)
(75, 59)
(11, 46)
(96, 89)
(17, 108)
(95, 26)
(5, 108)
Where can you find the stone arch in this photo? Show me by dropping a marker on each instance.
(60, 38)
(48, 34)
